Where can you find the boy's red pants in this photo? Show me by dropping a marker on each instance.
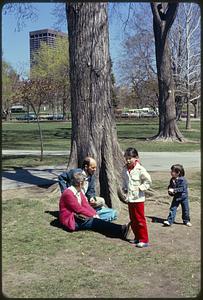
(138, 221)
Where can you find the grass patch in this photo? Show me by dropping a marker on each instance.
(10, 162)
(43, 261)
(57, 135)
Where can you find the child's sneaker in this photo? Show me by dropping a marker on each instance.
(188, 224)
(142, 245)
(166, 223)
(133, 241)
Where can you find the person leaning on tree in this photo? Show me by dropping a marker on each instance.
(75, 212)
(89, 167)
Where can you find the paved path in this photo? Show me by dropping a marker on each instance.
(47, 175)
(33, 152)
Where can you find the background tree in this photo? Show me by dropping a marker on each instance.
(22, 13)
(138, 52)
(185, 45)
(113, 94)
(10, 81)
(33, 93)
(137, 64)
(93, 125)
(163, 18)
(52, 63)
(125, 97)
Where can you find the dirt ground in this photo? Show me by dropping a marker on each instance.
(167, 243)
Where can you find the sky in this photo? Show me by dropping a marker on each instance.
(15, 44)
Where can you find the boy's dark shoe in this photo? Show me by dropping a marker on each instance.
(126, 231)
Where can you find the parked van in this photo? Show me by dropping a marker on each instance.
(17, 109)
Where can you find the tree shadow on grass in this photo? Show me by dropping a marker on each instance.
(55, 222)
(10, 157)
(156, 219)
(161, 220)
(24, 176)
(178, 223)
(124, 137)
(54, 213)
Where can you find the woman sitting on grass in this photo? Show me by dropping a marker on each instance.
(75, 213)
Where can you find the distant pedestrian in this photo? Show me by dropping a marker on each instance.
(178, 189)
(136, 180)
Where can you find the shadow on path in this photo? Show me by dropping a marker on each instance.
(25, 176)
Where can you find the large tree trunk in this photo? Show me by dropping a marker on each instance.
(163, 17)
(93, 125)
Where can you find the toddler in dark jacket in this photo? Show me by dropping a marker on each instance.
(178, 188)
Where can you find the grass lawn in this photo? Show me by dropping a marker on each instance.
(9, 162)
(40, 260)
(57, 135)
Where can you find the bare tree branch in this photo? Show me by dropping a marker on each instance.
(22, 13)
(156, 14)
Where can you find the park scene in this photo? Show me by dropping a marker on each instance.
(101, 182)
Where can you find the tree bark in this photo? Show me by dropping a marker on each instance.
(40, 133)
(163, 17)
(93, 124)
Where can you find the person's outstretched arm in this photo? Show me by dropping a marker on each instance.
(64, 181)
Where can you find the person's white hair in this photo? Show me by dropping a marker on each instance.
(77, 178)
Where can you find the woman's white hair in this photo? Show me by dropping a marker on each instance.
(77, 178)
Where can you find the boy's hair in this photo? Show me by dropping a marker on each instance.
(76, 178)
(132, 152)
(178, 169)
(86, 162)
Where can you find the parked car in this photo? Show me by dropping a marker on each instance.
(124, 115)
(148, 114)
(43, 117)
(25, 117)
(55, 117)
(184, 115)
